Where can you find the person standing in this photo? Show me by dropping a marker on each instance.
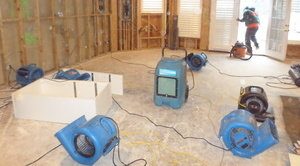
(251, 20)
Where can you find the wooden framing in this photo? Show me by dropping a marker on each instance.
(21, 34)
(87, 30)
(205, 23)
(61, 38)
(78, 38)
(3, 76)
(139, 24)
(95, 32)
(66, 33)
(96, 40)
(53, 33)
(113, 26)
(40, 39)
(150, 28)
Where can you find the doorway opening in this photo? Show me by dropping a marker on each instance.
(264, 10)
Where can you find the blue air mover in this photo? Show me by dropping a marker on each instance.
(27, 74)
(170, 85)
(196, 61)
(241, 135)
(71, 74)
(86, 141)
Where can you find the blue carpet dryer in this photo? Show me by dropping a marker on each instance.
(196, 61)
(170, 85)
(86, 141)
(27, 74)
(71, 74)
(242, 136)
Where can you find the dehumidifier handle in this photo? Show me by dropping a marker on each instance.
(163, 51)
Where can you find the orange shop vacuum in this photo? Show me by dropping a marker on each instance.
(239, 50)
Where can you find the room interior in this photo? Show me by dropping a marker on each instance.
(127, 40)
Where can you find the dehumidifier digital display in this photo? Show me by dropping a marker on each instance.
(166, 86)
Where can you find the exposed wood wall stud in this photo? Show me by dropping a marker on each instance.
(53, 37)
(21, 34)
(40, 39)
(3, 76)
(78, 38)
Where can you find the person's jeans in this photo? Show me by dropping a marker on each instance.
(250, 36)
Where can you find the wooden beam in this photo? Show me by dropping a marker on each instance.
(22, 49)
(139, 23)
(104, 33)
(3, 76)
(148, 25)
(164, 22)
(53, 32)
(40, 39)
(205, 23)
(133, 13)
(87, 30)
(66, 32)
(77, 29)
(96, 43)
(113, 25)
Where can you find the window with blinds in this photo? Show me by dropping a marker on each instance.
(189, 18)
(223, 24)
(152, 6)
(294, 33)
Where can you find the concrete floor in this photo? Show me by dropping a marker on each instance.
(214, 95)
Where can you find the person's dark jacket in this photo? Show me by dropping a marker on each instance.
(250, 18)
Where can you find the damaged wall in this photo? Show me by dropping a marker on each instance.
(54, 33)
(57, 33)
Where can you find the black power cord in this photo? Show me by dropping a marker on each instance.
(119, 156)
(33, 162)
(279, 78)
(5, 104)
(239, 76)
(193, 80)
(131, 63)
(168, 127)
(113, 159)
(15, 87)
(151, 71)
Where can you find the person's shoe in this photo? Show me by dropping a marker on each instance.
(257, 46)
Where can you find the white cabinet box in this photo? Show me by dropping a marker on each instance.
(62, 101)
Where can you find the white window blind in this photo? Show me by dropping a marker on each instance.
(152, 6)
(189, 18)
(223, 25)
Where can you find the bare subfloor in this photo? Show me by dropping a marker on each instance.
(214, 95)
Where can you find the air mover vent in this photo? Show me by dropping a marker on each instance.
(84, 146)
